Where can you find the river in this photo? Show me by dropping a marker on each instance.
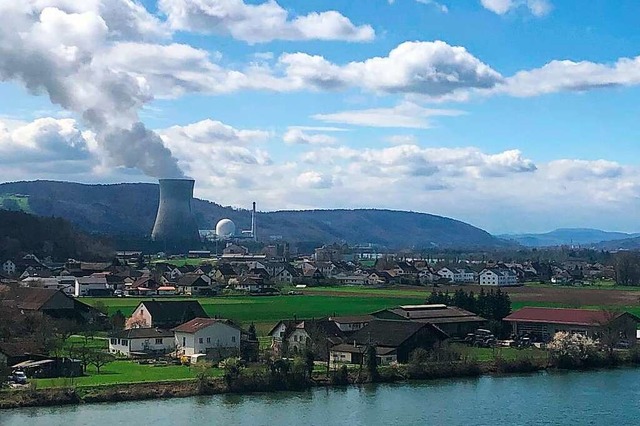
(610, 397)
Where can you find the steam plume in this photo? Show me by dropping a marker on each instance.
(53, 47)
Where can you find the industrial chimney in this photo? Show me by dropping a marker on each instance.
(175, 224)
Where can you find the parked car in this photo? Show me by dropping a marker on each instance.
(18, 377)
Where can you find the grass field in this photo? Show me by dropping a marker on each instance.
(126, 372)
(266, 311)
(19, 201)
(490, 354)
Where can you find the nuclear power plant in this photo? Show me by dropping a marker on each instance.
(175, 224)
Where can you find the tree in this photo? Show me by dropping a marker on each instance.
(572, 350)
(251, 332)
(371, 362)
(609, 332)
(99, 359)
(82, 354)
(627, 268)
(308, 361)
(118, 320)
(101, 306)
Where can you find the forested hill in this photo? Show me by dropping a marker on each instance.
(129, 209)
(22, 233)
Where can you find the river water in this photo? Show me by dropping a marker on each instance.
(610, 397)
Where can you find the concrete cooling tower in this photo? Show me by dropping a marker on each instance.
(175, 224)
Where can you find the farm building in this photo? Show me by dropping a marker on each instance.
(545, 322)
(165, 313)
(450, 319)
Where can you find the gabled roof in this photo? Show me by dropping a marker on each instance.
(175, 311)
(33, 298)
(188, 280)
(585, 317)
(391, 333)
(142, 333)
(435, 314)
(352, 319)
(226, 269)
(198, 324)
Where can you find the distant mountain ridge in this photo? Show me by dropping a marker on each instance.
(567, 236)
(130, 209)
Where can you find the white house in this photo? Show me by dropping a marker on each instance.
(93, 285)
(217, 338)
(447, 273)
(66, 283)
(142, 341)
(352, 323)
(498, 277)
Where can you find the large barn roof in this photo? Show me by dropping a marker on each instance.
(585, 317)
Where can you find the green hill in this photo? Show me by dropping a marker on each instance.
(129, 210)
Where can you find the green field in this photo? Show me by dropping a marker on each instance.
(126, 372)
(266, 311)
(15, 202)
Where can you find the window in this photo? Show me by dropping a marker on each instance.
(208, 339)
(200, 340)
(158, 341)
(184, 341)
(124, 342)
(114, 341)
(233, 339)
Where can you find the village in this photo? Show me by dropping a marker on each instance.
(140, 311)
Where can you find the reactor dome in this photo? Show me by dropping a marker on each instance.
(225, 229)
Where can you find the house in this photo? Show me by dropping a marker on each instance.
(55, 304)
(352, 323)
(545, 322)
(398, 338)
(353, 353)
(224, 273)
(217, 338)
(93, 285)
(353, 279)
(500, 277)
(452, 320)
(143, 286)
(379, 278)
(142, 342)
(294, 337)
(234, 249)
(66, 284)
(194, 284)
(165, 314)
(251, 284)
(286, 274)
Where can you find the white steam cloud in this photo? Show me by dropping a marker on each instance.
(53, 47)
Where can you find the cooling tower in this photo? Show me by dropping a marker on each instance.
(175, 224)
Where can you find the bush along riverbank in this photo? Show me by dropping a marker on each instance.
(299, 375)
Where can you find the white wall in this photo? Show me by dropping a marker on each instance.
(165, 344)
(217, 335)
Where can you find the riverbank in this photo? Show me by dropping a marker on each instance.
(32, 397)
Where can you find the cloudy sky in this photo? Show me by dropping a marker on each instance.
(512, 115)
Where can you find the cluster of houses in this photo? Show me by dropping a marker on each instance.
(181, 328)
(239, 270)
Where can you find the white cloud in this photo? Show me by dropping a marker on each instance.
(407, 115)
(439, 6)
(259, 23)
(557, 76)
(428, 68)
(536, 7)
(299, 137)
(314, 180)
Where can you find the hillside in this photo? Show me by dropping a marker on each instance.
(22, 233)
(129, 209)
(567, 236)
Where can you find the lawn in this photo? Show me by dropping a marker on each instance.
(266, 311)
(490, 354)
(126, 372)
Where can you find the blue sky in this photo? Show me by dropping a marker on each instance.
(512, 115)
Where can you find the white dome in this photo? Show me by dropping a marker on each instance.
(225, 229)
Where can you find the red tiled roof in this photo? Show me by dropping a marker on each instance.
(198, 324)
(561, 316)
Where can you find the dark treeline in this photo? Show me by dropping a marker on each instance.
(493, 305)
(22, 233)
(627, 267)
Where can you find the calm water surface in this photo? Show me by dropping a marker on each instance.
(594, 398)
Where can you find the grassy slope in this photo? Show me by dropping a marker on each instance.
(266, 311)
(127, 372)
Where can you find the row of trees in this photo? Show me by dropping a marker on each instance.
(493, 305)
(627, 267)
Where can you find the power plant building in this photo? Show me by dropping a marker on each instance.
(175, 224)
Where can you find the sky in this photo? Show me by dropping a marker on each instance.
(511, 115)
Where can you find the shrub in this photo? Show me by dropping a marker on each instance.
(571, 350)
(341, 376)
(520, 365)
